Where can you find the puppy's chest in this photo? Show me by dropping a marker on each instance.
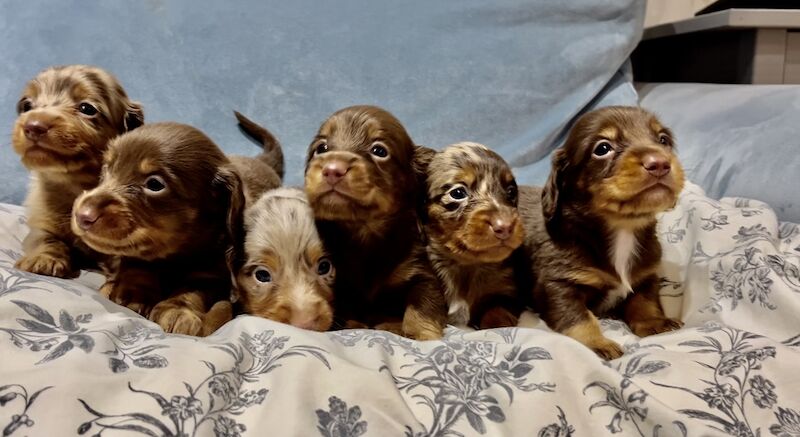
(464, 286)
(626, 268)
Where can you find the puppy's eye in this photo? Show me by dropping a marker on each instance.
(262, 275)
(321, 148)
(379, 150)
(511, 193)
(324, 266)
(458, 193)
(602, 148)
(154, 184)
(664, 139)
(24, 105)
(87, 109)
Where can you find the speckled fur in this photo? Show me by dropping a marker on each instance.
(479, 272)
(282, 238)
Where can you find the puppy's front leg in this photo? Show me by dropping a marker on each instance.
(566, 312)
(182, 313)
(46, 254)
(426, 310)
(499, 310)
(643, 313)
(130, 285)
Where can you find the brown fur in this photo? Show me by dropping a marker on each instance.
(65, 157)
(368, 222)
(476, 267)
(588, 201)
(172, 243)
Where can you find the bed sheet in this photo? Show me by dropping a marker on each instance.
(72, 363)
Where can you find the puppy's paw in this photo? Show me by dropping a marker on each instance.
(355, 324)
(177, 319)
(425, 335)
(46, 264)
(124, 298)
(423, 332)
(106, 289)
(218, 315)
(606, 349)
(644, 328)
(498, 317)
(393, 327)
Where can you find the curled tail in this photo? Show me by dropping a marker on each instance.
(273, 153)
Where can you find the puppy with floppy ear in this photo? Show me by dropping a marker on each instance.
(592, 229)
(286, 275)
(362, 186)
(167, 206)
(474, 235)
(67, 115)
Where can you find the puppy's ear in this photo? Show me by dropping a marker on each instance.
(229, 189)
(554, 184)
(134, 116)
(422, 159)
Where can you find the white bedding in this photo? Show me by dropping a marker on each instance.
(72, 362)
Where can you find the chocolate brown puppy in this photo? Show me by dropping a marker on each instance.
(363, 188)
(474, 231)
(169, 208)
(592, 229)
(287, 275)
(67, 115)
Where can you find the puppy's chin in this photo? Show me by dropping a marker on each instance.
(139, 242)
(118, 232)
(634, 195)
(52, 153)
(41, 157)
(473, 241)
(351, 199)
(317, 316)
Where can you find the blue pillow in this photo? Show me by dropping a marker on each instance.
(509, 74)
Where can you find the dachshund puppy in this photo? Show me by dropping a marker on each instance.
(169, 206)
(67, 115)
(287, 275)
(592, 229)
(364, 188)
(474, 231)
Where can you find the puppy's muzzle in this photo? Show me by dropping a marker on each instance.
(656, 164)
(35, 129)
(334, 171)
(502, 225)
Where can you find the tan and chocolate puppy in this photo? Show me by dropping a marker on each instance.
(363, 188)
(67, 115)
(286, 275)
(474, 231)
(592, 230)
(167, 207)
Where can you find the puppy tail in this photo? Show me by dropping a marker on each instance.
(273, 153)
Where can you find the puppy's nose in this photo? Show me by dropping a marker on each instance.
(656, 165)
(334, 171)
(502, 227)
(35, 129)
(87, 216)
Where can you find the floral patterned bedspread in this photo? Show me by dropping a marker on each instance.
(73, 363)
